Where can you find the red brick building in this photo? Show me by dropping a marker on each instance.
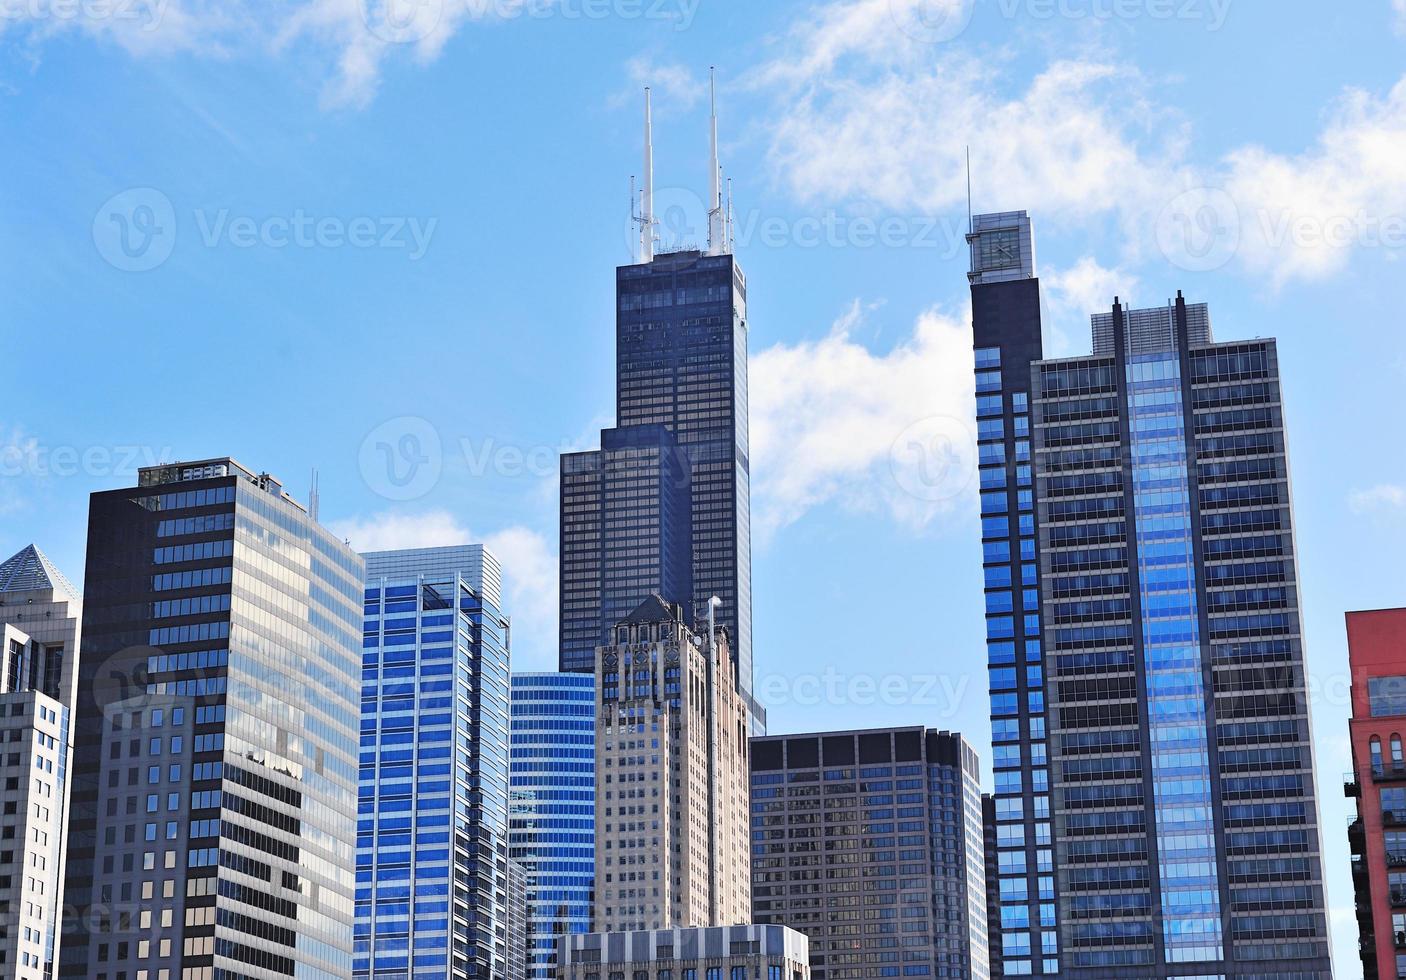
(1377, 654)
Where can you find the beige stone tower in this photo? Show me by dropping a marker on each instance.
(671, 777)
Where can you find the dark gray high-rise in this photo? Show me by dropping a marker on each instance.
(871, 844)
(1156, 807)
(213, 827)
(665, 505)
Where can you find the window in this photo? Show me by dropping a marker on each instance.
(1386, 696)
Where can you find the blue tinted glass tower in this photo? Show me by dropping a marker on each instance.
(432, 875)
(1156, 808)
(551, 803)
(1006, 327)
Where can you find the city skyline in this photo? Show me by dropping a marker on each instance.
(1095, 124)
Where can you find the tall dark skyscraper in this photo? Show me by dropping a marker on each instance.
(213, 828)
(681, 394)
(1156, 806)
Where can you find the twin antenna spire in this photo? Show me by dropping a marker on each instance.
(719, 215)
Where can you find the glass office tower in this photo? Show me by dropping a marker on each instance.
(871, 844)
(432, 877)
(551, 807)
(681, 360)
(1156, 801)
(214, 777)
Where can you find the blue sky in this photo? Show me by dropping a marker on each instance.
(298, 232)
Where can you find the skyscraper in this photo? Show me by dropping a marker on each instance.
(214, 778)
(433, 893)
(993, 888)
(671, 777)
(1377, 657)
(681, 364)
(552, 807)
(871, 844)
(1155, 792)
(40, 626)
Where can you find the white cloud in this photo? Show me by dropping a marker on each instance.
(1074, 294)
(1304, 215)
(670, 81)
(869, 111)
(351, 40)
(866, 112)
(529, 570)
(834, 421)
(393, 531)
(1380, 497)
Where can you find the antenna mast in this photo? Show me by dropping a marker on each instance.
(717, 234)
(731, 226)
(971, 221)
(634, 213)
(314, 498)
(646, 218)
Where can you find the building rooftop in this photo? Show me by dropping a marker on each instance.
(655, 609)
(31, 571)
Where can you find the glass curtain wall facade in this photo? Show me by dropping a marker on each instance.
(1158, 748)
(432, 875)
(626, 524)
(551, 803)
(1007, 333)
(213, 818)
(872, 844)
(681, 359)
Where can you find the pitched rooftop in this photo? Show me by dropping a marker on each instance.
(31, 571)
